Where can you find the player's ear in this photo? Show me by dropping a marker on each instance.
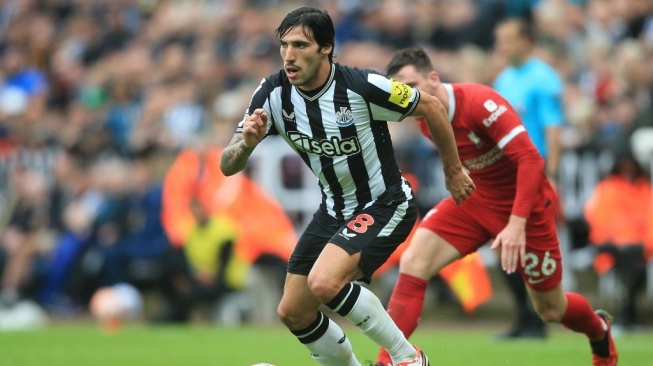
(326, 50)
(434, 77)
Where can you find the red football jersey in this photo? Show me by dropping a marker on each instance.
(494, 147)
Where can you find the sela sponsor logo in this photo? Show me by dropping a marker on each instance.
(346, 234)
(401, 93)
(330, 148)
(344, 117)
(497, 111)
(288, 117)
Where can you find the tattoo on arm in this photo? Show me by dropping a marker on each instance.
(234, 157)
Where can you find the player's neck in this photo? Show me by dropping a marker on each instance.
(321, 77)
(443, 96)
(520, 61)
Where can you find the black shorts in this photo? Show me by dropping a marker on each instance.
(376, 232)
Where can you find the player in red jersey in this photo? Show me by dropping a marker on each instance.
(513, 206)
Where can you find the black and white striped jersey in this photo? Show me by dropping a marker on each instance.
(340, 131)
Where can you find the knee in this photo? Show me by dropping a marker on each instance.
(551, 314)
(323, 288)
(295, 318)
(417, 265)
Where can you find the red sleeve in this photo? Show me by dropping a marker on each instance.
(503, 125)
(423, 127)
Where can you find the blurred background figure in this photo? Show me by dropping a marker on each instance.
(206, 268)
(25, 239)
(619, 214)
(230, 233)
(534, 89)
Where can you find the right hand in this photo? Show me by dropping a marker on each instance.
(255, 128)
(460, 185)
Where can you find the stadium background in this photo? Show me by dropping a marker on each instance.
(109, 89)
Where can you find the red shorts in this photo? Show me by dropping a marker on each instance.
(472, 224)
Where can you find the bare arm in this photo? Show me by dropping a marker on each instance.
(553, 151)
(234, 157)
(457, 181)
(437, 121)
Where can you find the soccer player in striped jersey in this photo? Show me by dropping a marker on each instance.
(513, 205)
(335, 117)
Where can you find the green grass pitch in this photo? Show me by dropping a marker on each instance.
(204, 345)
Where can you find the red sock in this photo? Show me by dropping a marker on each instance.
(405, 307)
(580, 317)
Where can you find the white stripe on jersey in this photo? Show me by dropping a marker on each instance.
(452, 100)
(372, 163)
(396, 219)
(510, 135)
(342, 140)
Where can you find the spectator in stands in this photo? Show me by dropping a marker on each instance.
(619, 214)
(25, 80)
(24, 238)
(72, 208)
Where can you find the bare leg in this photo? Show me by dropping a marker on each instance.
(427, 254)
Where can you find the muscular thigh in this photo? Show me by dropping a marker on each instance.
(458, 225)
(543, 269)
(375, 233)
(427, 254)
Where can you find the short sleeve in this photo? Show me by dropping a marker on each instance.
(260, 99)
(389, 100)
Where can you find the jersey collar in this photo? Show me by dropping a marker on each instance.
(317, 94)
(452, 100)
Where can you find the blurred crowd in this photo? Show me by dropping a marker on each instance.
(99, 97)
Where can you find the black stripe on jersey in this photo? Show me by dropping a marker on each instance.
(314, 114)
(263, 92)
(356, 164)
(262, 95)
(386, 153)
(288, 116)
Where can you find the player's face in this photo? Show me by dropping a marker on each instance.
(304, 61)
(411, 76)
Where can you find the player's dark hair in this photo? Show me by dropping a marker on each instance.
(414, 56)
(312, 20)
(524, 28)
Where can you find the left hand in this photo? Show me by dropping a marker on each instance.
(460, 185)
(512, 240)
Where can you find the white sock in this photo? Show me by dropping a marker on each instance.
(327, 343)
(361, 307)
